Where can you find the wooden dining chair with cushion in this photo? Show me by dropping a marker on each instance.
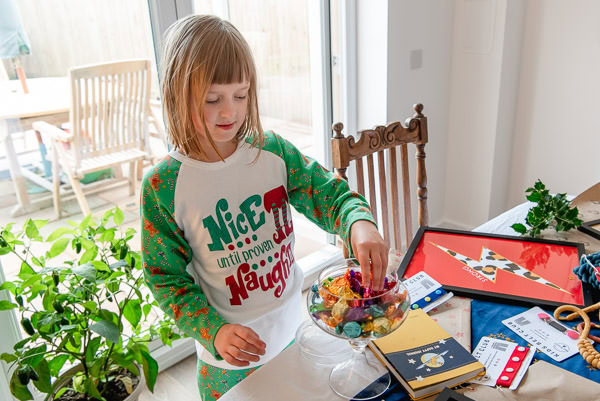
(108, 128)
(378, 148)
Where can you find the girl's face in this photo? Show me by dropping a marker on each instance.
(224, 111)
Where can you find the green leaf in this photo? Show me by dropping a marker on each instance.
(88, 255)
(133, 312)
(85, 223)
(87, 244)
(92, 348)
(150, 369)
(8, 285)
(100, 266)
(146, 308)
(33, 356)
(118, 216)
(25, 272)
(56, 364)
(8, 358)
(539, 185)
(93, 390)
(43, 383)
(520, 228)
(31, 231)
(107, 235)
(90, 305)
(6, 305)
(107, 329)
(58, 247)
(20, 391)
(534, 197)
(59, 232)
(87, 271)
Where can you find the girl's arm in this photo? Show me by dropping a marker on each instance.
(327, 200)
(166, 253)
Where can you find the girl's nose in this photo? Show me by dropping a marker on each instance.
(227, 110)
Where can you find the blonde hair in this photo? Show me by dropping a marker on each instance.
(201, 50)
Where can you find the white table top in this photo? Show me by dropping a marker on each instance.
(46, 96)
(293, 377)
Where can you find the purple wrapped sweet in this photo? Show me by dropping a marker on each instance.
(355, 314)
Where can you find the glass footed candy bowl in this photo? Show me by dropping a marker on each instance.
(342, 307)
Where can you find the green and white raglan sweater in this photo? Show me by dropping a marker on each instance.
(218, 239)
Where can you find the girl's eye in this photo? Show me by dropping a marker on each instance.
(241, 97)
(212, 101)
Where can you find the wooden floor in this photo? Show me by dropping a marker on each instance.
(178, 383)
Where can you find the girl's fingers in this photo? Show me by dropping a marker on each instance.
(365, 267)
(378, 271)
(244, 345)
(252, 341)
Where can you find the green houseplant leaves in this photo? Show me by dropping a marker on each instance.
(549, 209)
(82, 304)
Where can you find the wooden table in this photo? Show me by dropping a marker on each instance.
(48, 99)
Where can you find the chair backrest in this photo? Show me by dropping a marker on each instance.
(110, 103)
(385, 142)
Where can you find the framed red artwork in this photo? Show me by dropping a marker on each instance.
(499, 267)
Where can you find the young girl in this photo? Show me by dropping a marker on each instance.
(217, 237)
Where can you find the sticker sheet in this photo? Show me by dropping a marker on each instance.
(544, 332)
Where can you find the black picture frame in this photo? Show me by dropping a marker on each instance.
(588, 228)
(588, 295)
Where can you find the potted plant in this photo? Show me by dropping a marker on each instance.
(82, 303)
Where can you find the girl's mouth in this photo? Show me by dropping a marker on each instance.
(225, 126)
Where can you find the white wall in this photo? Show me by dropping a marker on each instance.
(557, 131)
(387, 32)
(511, 89)
(484, 79)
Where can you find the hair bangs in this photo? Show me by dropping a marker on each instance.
(234, 62)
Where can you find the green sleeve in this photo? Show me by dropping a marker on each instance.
(323, 197)
(166, 253)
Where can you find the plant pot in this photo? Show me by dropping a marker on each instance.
(64, 379)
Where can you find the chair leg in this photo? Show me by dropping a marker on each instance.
(76, 185)
(118, 171)
(132, 177)
(140, 170)
(56, 181)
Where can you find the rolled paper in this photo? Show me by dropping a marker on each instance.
(352, 329)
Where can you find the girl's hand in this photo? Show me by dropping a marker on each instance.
(371, 251)
(239, 345)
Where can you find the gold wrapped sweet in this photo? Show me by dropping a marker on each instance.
(339, 309)
(367, 327)
(381, 325)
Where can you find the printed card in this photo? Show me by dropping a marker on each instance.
(505, 362)
(425, 292)
(547, 334)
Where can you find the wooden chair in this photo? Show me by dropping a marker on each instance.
(108, 127)
(385, 141)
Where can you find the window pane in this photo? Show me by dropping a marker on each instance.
(60, 35)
